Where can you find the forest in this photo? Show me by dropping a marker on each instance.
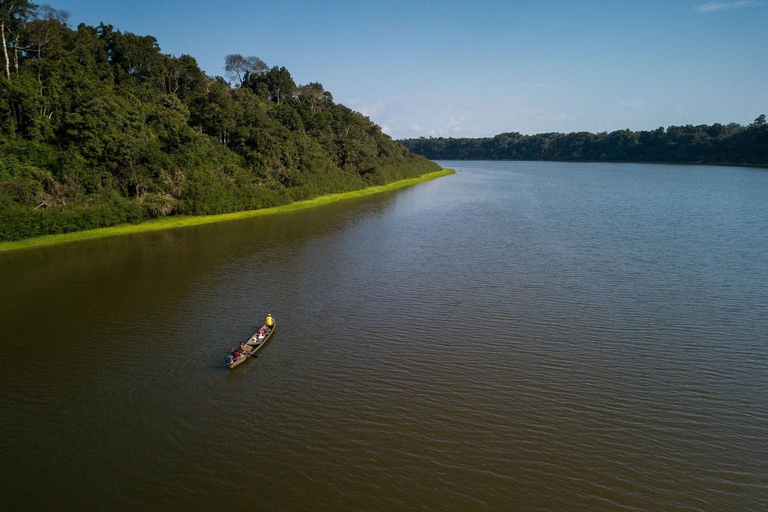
(731, 144)
(98, 127)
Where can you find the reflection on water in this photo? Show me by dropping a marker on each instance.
(518, 335)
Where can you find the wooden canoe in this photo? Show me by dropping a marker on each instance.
(253, 345)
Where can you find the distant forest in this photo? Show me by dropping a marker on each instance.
(98, 127)
(717, 144)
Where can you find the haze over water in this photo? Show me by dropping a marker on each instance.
(516, 336)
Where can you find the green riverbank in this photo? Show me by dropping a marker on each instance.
(182, 221)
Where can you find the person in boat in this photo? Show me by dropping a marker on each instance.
(270, 322)
(242, 346)
(235, 353)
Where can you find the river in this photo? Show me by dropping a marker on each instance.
(517, 336)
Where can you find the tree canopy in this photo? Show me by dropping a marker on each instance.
(715, 144)
(99, 127)
(239, 68)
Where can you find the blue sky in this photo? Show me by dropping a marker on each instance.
(472, 69)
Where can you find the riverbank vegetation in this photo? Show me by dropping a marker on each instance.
(716, 144)
(99, 128)
(178, 221)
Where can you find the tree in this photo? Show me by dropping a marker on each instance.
(314, 96)
(239, 68)
(217, 113)
(41, 31)
(277, 83)
(760, 121)
(183, 77)
(13, 13)
(135, 58)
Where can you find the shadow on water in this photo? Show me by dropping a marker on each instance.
(139, 271)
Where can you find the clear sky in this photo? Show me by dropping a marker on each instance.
(479, 68)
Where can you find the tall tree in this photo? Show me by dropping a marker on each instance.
(239, 68)
(42, 30)
(12, 14)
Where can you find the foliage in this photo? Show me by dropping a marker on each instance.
(98, 127)
(716, 144)
(181, 221)
(239, 68)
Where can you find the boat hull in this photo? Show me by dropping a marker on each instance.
(253, 345)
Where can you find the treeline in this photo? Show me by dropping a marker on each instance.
(716, 144)
(98, 127)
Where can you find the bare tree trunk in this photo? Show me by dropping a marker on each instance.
(16, 53)
(40, 67)
(7, 68)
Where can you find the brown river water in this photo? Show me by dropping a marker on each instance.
(517, 336)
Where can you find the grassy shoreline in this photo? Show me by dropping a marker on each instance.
(183, 221)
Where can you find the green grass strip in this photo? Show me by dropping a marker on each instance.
(194, 220)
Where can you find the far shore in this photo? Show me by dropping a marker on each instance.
(183, 221)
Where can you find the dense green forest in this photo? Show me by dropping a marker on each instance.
(716, 144)
(98, 127)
